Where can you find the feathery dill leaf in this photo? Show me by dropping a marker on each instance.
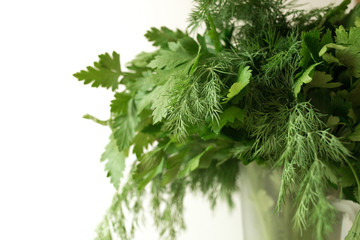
(266, 81)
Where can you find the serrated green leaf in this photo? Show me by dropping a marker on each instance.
(243, 80)
(115, 162)
(306, 77)
(162, 94)
(321, 80)
(193, 163)
(141, 61)
(141, 142)
(190, 45)
(176, 55)
(330, 174)
(350, 55)
(105, 73)
(341, 176)
(123, 127)
(229, 115)
(161, 37)
(354, 232)
(161, 101)
(120, 104)
(350, 19)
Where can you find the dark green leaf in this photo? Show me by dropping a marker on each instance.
(355, 136)
(229, 115)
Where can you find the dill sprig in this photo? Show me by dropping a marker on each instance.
(265, 82)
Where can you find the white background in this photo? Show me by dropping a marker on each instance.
(52, 185)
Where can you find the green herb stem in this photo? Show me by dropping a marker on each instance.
(101, 122)
(355, 175)
(213, 34)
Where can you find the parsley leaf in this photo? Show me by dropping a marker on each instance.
(120, 104)
(123, 127)
(161, 37)
(321, 80)
(115, 164)
(243, 80)
(306, 77)
(193, 163)
(168, 59)
(229, 115)
(105, 73)
(347, 49)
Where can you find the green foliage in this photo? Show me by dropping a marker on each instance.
(243, 80)
(105, 73)
(354, 232)
(347, 49)
(264, 82)
(161, 37)
(123, 126)
(306, 77)
(115, 162)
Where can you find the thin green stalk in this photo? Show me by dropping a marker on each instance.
(213, 34)
(101, 122)
(355, 175)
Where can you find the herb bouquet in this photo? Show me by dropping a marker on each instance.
(265, 83)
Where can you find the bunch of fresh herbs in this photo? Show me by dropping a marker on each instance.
(265, 82)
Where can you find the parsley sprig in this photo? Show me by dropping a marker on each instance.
(265, 83)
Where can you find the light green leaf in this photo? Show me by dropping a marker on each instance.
(163, 93)
(306, 77)
(120, 104)
(161, 37)
(161, 101)
(176, 55)
(357, 21)
(329, 58)
(105, 73)
(123, 127)
(321, 80)
(324, 49)
(243, 80)
(193, 163)
(115, 164)
(355, 136)
(350, 56)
